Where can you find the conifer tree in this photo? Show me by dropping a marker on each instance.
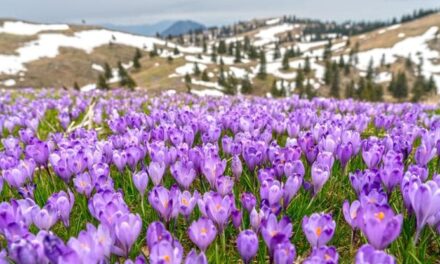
(196, 69)
(350, 90)
(237, 53)
(136, 58)
(102, 83)
(176, 51)
(231, 49)
(276, 52)
(341, 63)
(76, 86)
(205, 76)
(310, 92)
(154, 53)
(246, 85)
(262, 72)
(307, 67)
(188, 82)
(299, 82)
(108, 73)
(401, 88)
(221, 47)
(334, 88)
(285, 62)
(170, 59)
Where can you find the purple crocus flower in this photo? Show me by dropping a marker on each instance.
(187, 203)
(224, 185)
(46, 217)
(164, 201)
(275, 232)
(156, 171)
(256, 218)
(318, 228)
(184, 173)
(236, 217)
(248, 201)
(372, 155)
(63, 203)
(140, 181)
(212, 168)
(352, 213)
(368, 255)
(247, 245)
(202, 232)
(219, 209)
(291, 188)
(380, 225)
(252, 156)
(284, 253)
(39, 152)
(83, 183)
(157, 232)
(425, 201)
(323, 254)
(166, 252)
(236, 167)
(127, 229)
(424, 154)
(194, 258)
(320, 175)
(344, 152)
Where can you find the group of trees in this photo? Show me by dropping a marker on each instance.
(125, 80)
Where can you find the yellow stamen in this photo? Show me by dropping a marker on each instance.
(167, 258)
(185, 202)
(318, 231)
(380, 216)
(203, 231)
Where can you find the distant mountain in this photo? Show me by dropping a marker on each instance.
(182, 27)
(142, 29)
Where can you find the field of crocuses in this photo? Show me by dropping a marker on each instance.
(106, 177)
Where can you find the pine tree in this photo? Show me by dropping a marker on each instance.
(131, 84)
(221, 47)
(205, 76)
(237, 53)
(246, 85)
(222, 77)
(205, 46)
(76, 86)
(341, 63)
(307, 67)
(262, 72)
(350, 90)
(370, 70)
(299, 82)
(176, 51)
(275, 91)
(418, 88)
(408, 62)
(277, 52)
(310, 92)
(334, 88)
(122, 74)
(382, 60)
(154, 52)
(188, 82)
(136, 62)
(431, 85)
(401, 88)
(108, 73)
(102, 83)
(328, 74)
(170, 59)
(252, 53)
(231, 49)
(196, 69)
(231, 85)
(285, 62)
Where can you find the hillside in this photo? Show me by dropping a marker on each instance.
(60, 55)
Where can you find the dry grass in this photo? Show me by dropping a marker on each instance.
(391, 37)
(9, 43)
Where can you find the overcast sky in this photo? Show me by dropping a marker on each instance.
(210, 12)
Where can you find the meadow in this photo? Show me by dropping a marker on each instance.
(123, 177)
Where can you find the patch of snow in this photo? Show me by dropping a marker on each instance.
(401, 35)
(383, 77)
(393, 27)
(207, 92)
(156, 64)
(305, 46)
(88, 87)
(268, 35)
(169, 92)
(23, 28)
(47, 45)
(97, 67)
(214, 85)
(417, 46)
(238, 72)
(188, 69)
(274, 21)
(9, 83)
